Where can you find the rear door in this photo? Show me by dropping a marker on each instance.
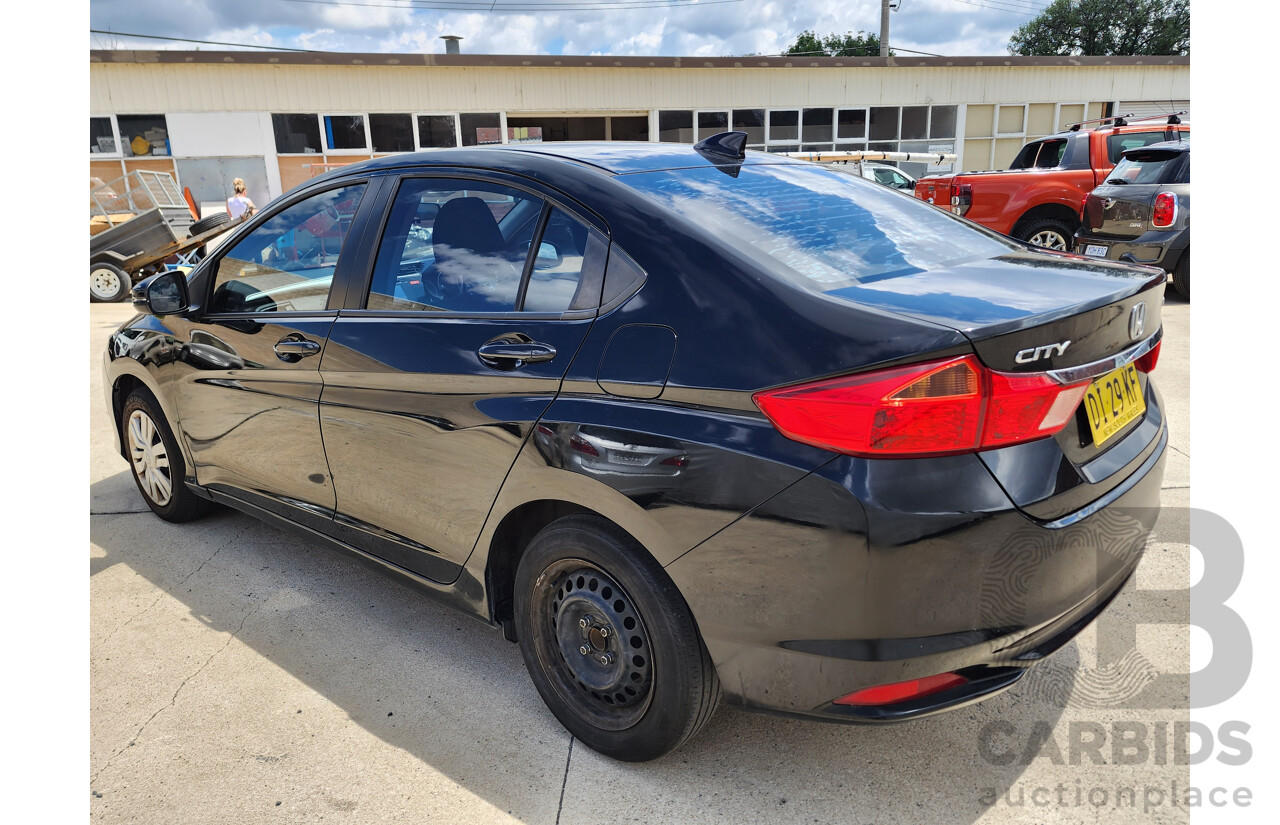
(436, 372)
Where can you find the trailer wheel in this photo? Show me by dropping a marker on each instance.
(107, 283)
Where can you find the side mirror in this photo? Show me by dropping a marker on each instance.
(548, 257)
(163, 294)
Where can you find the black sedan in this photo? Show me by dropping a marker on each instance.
(684, 422)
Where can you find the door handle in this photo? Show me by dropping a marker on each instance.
(293, 348)
(512, 353)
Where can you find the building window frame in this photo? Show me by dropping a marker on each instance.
(324, 134)
(118, 154)
(417, 137)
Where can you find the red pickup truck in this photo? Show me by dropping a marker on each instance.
(1038, 198)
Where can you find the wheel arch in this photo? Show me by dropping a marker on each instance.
(1049, 211)
(127, 375)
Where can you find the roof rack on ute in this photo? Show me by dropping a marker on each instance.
(1125, 120)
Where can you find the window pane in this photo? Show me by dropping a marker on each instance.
(784, 125)
(817, 124)
(942, 123)
(479, 129)
(675, 127)
(436, 131)
(914, 119)
(750, 121)
(144, 134)
(559, 264)
(344, 131)
(454, 246)
(629, 128)
(100, 137)
(851, 124)
(884, 122)
(711, 123)
(296, 134)
(287, 263)
(391, 133)
(784, 147)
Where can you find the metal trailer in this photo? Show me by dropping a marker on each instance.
(148, 221)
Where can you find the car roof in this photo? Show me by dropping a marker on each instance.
(613, 157)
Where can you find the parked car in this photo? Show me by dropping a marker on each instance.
(1142, 212)
(683, 422)
(1037, 199)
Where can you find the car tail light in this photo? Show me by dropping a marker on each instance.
(1165, 210)
(962, 199)
(936, 408)
(1147, 363)
(895, 692)
(583, 446)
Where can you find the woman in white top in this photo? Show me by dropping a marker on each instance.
(239, 203)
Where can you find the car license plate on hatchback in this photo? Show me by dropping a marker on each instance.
(1096, 251)
(1112, 401)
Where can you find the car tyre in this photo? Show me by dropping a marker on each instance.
(208, 222)
(1182, 275)
(108, 283)
(1049, 233)
(610, 643)
(158, 467)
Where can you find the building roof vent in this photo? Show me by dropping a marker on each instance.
(451, 44)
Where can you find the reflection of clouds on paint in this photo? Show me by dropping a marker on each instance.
(831, 229)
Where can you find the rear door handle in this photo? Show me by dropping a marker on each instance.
(513, 354)
(293, 348)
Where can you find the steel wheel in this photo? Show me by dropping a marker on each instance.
(596, 643)
(107, 283)
(1050, 239)
(150, 458)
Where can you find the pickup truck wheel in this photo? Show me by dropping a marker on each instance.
(107, 283)
(1047, 232)
(1182, 275)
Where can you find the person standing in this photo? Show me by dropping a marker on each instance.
(239, 204)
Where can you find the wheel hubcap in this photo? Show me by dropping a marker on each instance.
(1049, 239)
(104, 283)
(598, 644)
(150, 458)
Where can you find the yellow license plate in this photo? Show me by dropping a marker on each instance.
(1112, 401)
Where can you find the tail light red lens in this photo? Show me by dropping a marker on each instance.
(896, 692)
(1165, 211)
(962, 198)
(1147, 363)
(936, 408)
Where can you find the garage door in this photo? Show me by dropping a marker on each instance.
(209, 179)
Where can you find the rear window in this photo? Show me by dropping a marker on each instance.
(1117, 145)
(822, 229)
(1148, 167)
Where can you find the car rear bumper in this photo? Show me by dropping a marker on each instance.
(815, 595)
(1156, 248)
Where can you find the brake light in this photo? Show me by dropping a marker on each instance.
(901, 691)
(937, 408)
(1165, 210)
(1147, 363)
(583, 446)
(962, 199)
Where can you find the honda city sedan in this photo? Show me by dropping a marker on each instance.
(686, 423)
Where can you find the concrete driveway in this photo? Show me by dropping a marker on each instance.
(241, 675)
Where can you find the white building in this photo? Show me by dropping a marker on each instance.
(278, 119)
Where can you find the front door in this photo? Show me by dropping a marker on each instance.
(248, 390)
(480, 295)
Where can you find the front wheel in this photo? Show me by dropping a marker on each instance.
(107, 283)
(610, 643)
(1049, 233)
(158, 467)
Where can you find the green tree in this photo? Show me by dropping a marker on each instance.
(849, 44)
(1107, 27)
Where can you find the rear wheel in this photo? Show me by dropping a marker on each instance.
(158, 468)
(107, 283)
(1047, 232)
(610, 643)
(1182, 275)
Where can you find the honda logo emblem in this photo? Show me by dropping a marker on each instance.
(1137, 320)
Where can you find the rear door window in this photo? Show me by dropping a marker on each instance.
(286, 264)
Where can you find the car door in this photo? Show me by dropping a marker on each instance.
(435, 373)
(249, 385)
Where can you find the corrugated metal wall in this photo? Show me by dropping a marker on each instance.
(138, 87)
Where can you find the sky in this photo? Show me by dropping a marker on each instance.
(700, 28)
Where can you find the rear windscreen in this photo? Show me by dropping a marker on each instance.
(820, 228)
(1146, 167)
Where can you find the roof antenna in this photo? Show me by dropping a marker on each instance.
(724, 148)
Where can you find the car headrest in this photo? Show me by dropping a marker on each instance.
(467, 223)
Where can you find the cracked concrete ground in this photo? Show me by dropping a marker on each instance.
(241, 675)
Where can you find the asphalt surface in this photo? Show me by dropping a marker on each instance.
(239, 674)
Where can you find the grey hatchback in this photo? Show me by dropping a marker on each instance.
(1142, 213)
